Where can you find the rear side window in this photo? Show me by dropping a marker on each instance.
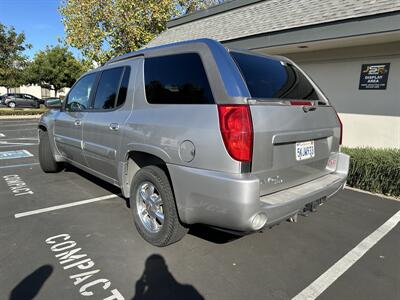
(177, 79)
(272, 78)
(107, 89)
(123, 89)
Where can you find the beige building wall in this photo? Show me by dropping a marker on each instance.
(370, 117)
(36, 91)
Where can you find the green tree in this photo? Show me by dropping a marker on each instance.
(12, 58)
(102, 29)
(54, 68)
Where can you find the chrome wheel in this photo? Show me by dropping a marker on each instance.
(149, 206)
(11, 105)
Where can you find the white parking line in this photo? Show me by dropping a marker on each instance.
(20, 139)
(26, 129)
(333, 273)
(57, 207)
(23, 124)
(18, 166)
(5, 144)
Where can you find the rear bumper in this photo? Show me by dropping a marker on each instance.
(232, 201)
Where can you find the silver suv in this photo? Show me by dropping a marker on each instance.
(193, 132)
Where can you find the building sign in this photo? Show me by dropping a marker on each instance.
(374, 76)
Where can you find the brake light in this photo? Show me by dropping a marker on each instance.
(237, 131)
(302, 103)
(341, 128)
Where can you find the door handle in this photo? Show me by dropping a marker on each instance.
(114, 126)
(77, 123)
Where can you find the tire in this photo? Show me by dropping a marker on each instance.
(11, 104)
(46, 158)
(171, 229)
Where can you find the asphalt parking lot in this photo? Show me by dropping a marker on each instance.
(70, 236)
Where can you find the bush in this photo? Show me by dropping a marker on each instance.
(375, 170)
(22, 112)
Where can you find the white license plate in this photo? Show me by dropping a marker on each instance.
(305, 150)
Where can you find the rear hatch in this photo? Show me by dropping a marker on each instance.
(295, 129)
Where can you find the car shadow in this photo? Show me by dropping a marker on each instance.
(104, 184)
(157, 282)
(213, 235)
(30, 286)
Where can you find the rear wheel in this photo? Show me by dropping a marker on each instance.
(153, 206)
(11, 104)
(46, 158)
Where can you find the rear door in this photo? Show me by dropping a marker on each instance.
(104, 122)
(68, 124)
(295, 129)
(20, 100)
(30, 101)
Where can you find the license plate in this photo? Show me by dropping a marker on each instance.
(305, 150)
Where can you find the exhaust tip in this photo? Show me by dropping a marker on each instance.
(259, 221)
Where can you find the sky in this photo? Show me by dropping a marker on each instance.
(38, 19)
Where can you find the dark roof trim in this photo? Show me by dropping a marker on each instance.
(213, 10)
(381, 23)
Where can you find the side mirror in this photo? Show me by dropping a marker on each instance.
(53, 103)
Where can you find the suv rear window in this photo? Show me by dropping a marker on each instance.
(272, 78)
(177, 79)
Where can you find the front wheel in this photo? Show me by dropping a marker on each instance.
(153, 206)
(11, 104)
(46, 158)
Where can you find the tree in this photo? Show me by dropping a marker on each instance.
(102, 29)
(12, 59)
(54, 68)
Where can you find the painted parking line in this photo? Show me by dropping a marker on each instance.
(15, 154)
(5, 144)
(21, 138)
(19, 166)
(57, 207)
(333, 273)
(26, 129)
(13, 125)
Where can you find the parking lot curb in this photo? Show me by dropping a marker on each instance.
(20, 117)
(372, 194)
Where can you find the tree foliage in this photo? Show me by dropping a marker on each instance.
(12, 59)
(54, 68)
(102, 29)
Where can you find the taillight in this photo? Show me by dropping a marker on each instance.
(237, 131)
(341, 128)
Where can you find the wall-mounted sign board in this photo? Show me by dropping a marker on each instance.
(374, 76)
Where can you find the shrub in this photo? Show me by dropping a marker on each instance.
(375, 170)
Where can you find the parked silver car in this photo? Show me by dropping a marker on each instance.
(193, 132)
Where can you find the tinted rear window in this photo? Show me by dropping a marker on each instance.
(177, 79)
(107, 89)
(272, 78)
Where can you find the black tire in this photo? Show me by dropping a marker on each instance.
(172, 229)
(46, 158)
(11, 104)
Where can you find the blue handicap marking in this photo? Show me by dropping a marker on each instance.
(15, 154)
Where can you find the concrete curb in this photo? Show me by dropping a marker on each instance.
(20, 117)
(372, 194)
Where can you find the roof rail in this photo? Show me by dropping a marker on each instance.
(124, 57)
